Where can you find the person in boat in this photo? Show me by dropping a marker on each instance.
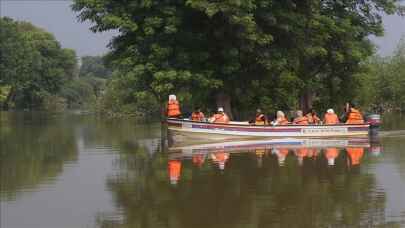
(280, 119)
(300, 119)
(220, 117)
(260, 118)
(197, 115)
(174, 169)
(354, 116)
(173, 107)
(313, 117)
(330, 117)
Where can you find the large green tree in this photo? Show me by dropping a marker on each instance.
(245, 53)
(33, 65)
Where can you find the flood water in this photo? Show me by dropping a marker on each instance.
(75, 171)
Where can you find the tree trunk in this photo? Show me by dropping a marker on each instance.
(306, 101)
(224, 100)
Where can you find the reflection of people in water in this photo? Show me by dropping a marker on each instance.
(301, 153)
(174, 168)
(312, 153)
(331, 154)
(260, 152)
(354, 156)
(198, 159)
(281, 155)
(220, 157)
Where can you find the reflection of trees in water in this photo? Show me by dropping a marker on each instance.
(33, 149)
(395, 147)
(244, 195)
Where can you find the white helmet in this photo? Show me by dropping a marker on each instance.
(220, 109)
(330, 111)
(172, 97)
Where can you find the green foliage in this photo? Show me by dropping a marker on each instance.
(33, 64)
(257, 52)
(93, 66)
(382, 86)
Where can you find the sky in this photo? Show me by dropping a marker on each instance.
(56, 17)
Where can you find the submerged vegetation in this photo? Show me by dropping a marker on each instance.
(237, 54)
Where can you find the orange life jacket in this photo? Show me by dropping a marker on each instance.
(197, 116)
(355, 154)
(331, 118)
(220, 118)
(303, 120)
(174, 167)
(354, 117)
(260, 120)
(282, 121)
(173, 108)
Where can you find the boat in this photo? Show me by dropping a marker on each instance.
(184, 129)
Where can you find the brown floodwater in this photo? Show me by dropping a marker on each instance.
(74, 171)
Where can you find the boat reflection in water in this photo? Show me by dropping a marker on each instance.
(315, 152)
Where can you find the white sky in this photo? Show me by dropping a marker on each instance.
(56, 17)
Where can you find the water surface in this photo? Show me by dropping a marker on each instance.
(83, 171)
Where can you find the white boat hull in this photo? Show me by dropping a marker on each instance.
(185, 129)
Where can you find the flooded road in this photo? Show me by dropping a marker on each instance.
(82, 171)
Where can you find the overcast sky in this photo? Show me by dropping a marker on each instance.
(56, 17)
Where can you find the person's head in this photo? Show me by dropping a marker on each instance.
(172, 97)
(258, 111)
(299, 113)
(330, 111)
(280, 114)
(197, 109)
(220, 110)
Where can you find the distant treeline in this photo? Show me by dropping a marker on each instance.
(37, 74)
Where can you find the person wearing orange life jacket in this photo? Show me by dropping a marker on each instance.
(220, 157)
(330, 117)
(331, 154)
(280, 119)
(220, 117)
(197, 115)
(260, 118)
(354, 116)
(173, 107)
(355, 155)
(174, 169)
(313, 117)
(300, 119)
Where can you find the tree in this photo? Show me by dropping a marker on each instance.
(33, 64)
(93, 66)
(245, 53)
